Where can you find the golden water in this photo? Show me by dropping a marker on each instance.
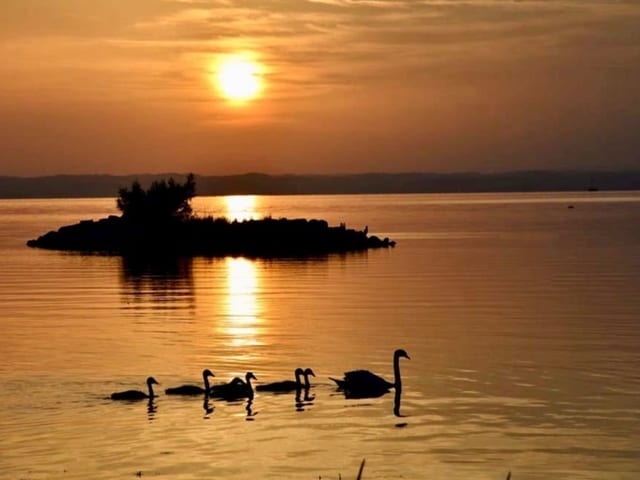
(521, 316)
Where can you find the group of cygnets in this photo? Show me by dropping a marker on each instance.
(355, 384)
(236, 389)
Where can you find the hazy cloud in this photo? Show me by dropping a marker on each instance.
(524, 83)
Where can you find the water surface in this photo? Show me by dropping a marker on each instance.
(521, 317)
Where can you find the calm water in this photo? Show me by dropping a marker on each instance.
(521, 316)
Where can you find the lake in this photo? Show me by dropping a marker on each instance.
(520, 314)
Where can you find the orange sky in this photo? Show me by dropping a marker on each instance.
(125, 86)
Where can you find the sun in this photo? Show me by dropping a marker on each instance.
(238, 78)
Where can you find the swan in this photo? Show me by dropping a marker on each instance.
(192, 389)
(289, 385)
(136, 394)
(235, 389)
(306, 373)
(363, 383)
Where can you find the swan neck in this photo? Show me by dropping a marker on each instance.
(250, 388)
(206, 383)
(396, 373)
(151, 395)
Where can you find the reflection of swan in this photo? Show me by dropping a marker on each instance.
(249, 410)
(151, 408)
(235, 389)
(136, 394)
(363, 383)
(289, 385)
(208, 409)
(192, 389)
(305, 401)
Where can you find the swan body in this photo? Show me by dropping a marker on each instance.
(235, 389)
(289, 385)
(136, 394)
(192, 389)
(363, 383)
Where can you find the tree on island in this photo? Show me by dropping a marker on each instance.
(164, 200)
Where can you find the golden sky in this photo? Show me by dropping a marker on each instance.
(130, 86)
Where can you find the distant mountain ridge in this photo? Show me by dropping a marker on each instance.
(77, 186)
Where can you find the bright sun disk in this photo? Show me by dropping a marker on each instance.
(238, 79)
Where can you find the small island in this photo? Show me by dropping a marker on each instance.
(160, 221)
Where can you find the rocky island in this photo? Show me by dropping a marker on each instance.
(160, 221)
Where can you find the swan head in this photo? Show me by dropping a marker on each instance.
(152, 381)
(401, 353)
(298, 372)
(308, 372)
(207, 373)
(250, 376)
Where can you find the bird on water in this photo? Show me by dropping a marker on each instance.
(363, 383)
(192, 389)
(289, 385)
(235, 389)
(136, 394)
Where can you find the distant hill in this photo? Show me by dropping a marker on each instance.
(75, 186)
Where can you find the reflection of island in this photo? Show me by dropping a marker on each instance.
(159, 222)
(168, 281)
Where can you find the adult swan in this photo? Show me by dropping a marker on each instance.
(364, 384)
(236, 389)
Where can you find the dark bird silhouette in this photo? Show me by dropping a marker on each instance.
(192, 389)
(136, 394)
(364, 384)
(306, 373)
(286, 386)
(235, 389)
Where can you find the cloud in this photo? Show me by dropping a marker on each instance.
(510, 77)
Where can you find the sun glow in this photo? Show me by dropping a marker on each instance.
(241, 207)
(238, 78)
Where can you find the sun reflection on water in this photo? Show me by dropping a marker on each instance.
(241, 207)
(243, 310)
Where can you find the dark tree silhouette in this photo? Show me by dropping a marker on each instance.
(164, 200)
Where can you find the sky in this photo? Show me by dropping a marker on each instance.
(346, 86)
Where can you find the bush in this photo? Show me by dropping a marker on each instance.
(164, 200)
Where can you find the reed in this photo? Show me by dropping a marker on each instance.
(359, 477)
